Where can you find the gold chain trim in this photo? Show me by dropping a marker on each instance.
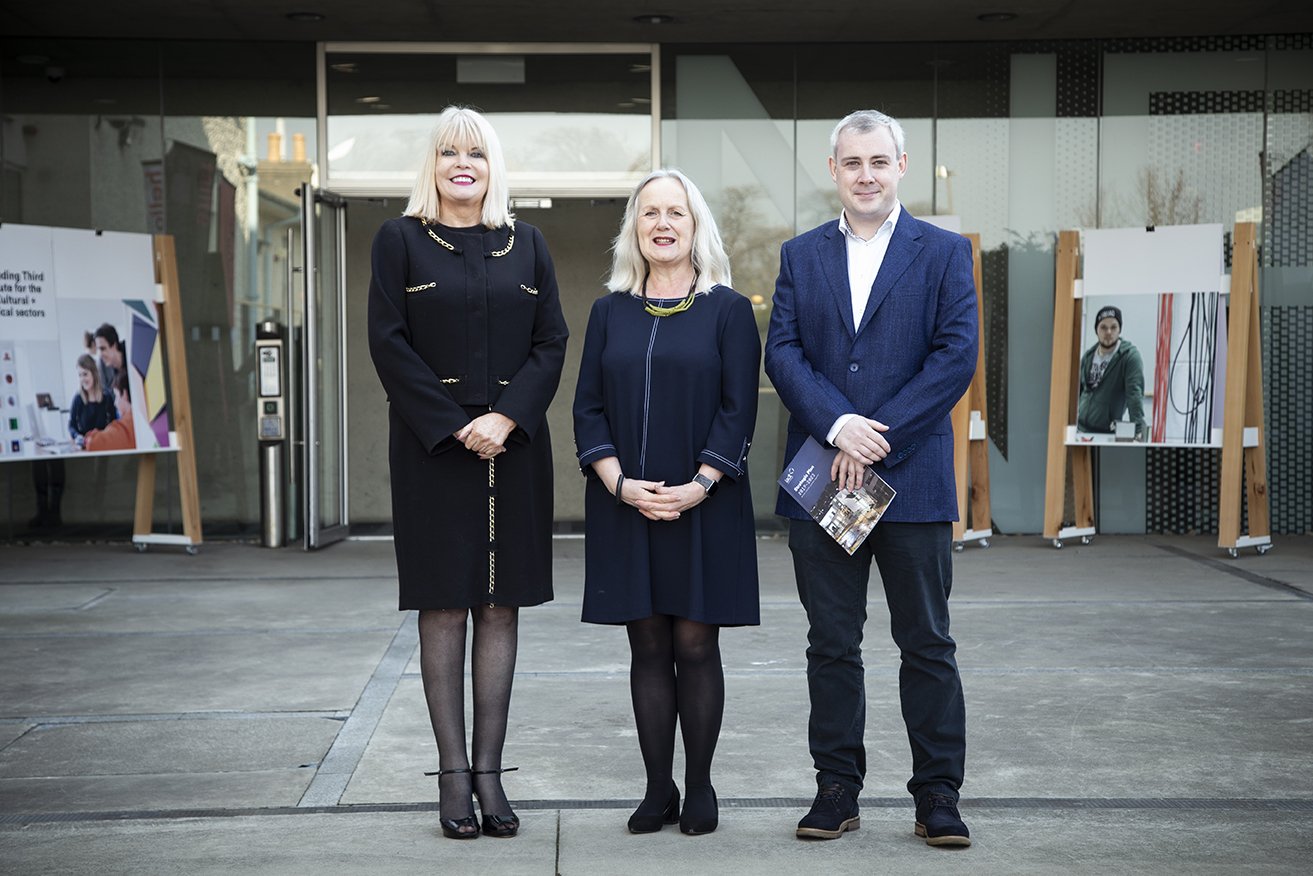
(492, 529)
(435, 237)
(451, 380)
(498, 254)
(420, 288)
(529, 289)
(501, 252)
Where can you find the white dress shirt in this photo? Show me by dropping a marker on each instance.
(864, 260)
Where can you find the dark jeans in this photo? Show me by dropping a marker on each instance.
(916, 567)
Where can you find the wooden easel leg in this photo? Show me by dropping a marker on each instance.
(1243, 404)
(143, 519)
(1082, 486)
(180, 401)
(1062, 381)
(1256, 457)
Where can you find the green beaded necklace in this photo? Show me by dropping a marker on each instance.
(658, 310)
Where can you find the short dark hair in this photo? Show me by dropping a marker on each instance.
(108, 332)
(121, 384)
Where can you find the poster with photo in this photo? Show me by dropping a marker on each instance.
(80, 360)
(1153, 341)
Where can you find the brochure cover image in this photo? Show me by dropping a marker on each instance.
(847, 517)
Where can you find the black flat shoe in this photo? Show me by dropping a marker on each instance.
(499, 826)
(700, 811)
(457, 828)
(652, 823)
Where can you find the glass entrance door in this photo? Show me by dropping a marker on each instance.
(323, 367)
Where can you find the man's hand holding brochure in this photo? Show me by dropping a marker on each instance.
(847, 516)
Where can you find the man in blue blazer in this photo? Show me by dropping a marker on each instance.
(872, 341)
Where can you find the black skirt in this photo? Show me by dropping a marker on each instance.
(456, 548)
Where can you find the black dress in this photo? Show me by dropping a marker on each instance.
(463, 321)
(664, 394)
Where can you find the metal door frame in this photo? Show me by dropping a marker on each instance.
(317, 536)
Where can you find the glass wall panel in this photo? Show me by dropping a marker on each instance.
(727, 123)
(165, 137)
(239, 140)
(1286, 281)
(581, 121)
(81, 147)
(1180, 142)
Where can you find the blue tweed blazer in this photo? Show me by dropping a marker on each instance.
(909, 361)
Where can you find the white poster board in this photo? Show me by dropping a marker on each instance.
(1166, 288)
(59, 287)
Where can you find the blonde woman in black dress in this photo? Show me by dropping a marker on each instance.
(466, 332)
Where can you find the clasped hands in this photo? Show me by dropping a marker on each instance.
(860, 444)
(486, 434)
(657, 501)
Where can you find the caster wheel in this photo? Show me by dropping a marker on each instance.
(192, 550)
(1232, 553)
(984, 542)
(957, 547)
(1057, 543)
(1263, 548)
(141, 548)
(1085, 539)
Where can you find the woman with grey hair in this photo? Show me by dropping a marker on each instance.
(467, 336)
(663, 415)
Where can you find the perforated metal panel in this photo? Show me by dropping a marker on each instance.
(994, 276)
(1287, 334)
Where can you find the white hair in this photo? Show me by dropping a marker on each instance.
(629, 268)
(462, 126)
(864, 121)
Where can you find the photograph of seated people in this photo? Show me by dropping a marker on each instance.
(120, 434)
(93, 404)
(1111, 381)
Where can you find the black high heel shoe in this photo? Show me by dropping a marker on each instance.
(701, 814)
(500, 826)
(457, 828)
(653, 823)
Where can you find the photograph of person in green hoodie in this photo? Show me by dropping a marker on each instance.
(1111, 380)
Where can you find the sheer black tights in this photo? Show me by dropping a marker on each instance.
(442, 665)
(675, 673)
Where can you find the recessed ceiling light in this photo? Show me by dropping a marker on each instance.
(991, 17)
(344, 67)
(305, 16)
(654, 18)
(371, 98)
(640, 68)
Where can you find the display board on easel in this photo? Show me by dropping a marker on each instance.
(89, 327)
(971, 437)
(1143, 356)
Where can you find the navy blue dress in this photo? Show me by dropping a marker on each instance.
(664, 394)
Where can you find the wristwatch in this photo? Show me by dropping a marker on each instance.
(706, 483)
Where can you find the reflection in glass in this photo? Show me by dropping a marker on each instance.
(569, 119)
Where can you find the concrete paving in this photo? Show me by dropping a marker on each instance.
(1137, 705)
